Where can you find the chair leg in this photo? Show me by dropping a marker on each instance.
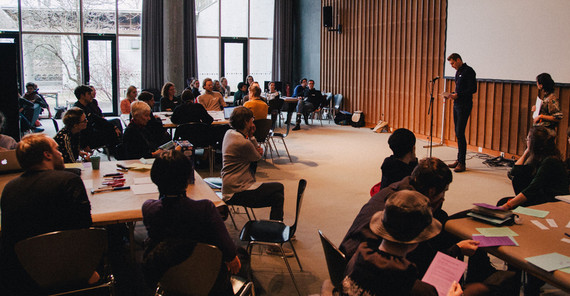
(289, 268)
(283, 140)
(296, 257)
(232, 217)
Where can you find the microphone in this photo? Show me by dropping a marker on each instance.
(433, 80)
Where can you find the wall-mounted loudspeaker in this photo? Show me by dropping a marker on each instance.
(327, 16)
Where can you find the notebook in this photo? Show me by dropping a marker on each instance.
(8, 162)
(228, 112)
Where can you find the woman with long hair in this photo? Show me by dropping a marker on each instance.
(539, 174)
(169, 101)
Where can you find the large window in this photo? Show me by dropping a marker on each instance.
(219, 20)
(53, 48)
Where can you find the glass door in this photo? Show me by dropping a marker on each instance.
(100, 70)
(234, 60)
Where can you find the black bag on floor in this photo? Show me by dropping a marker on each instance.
(357, 119)
(342, 118)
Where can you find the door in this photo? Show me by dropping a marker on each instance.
(234, 60)
(10, 82)
(100, 70)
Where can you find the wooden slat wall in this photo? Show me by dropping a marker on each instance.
(385, 56)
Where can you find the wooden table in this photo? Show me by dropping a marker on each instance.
(166, 122)
(532, 241)
(123, 206)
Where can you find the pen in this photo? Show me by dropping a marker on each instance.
(113, 175)
(568, 235)
(93, 191)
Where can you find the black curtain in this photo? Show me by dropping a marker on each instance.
(152, 45)
(190, 46)
(283, 34)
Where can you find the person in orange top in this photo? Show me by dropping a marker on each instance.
(255, 103)
(131, 97)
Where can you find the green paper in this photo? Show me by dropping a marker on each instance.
(497, 231)
(531, 212)
(550, 262)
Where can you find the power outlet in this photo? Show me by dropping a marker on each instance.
(503, 154)
(480, 149)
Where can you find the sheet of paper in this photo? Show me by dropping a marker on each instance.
(493, 241)
(140, 166)
(551, 222)
(445, 94)
(565, 198)
(217, 115)
(76, 165)
(88, 184)
(488, 206)
(539, 225)
(531, 212)
(566, 240)
(443, 271)
(568, 225)
(147, 160)
(550, 262)
(497, 231)
(537, 106)
(566, 270)
(143, 180)
(144, 189)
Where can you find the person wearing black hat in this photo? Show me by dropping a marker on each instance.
(383, 269)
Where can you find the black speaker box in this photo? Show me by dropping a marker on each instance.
(327, 16)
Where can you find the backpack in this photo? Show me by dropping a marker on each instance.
(342, 118)
(357, 119)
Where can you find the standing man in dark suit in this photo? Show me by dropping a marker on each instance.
(465, 87)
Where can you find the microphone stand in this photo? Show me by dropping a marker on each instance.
(430, 112)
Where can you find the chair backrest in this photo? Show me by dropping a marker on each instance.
(337, 101)
(275, 104)
(328, 98)
(195, 132)
(336, 261)
(262, 129)
(300, 193)
(196, 275)
(62, 259)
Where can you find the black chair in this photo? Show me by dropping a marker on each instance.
(275, 106)
(336, 261)
(199, 135)
(216, 184)
(327, 106)
(62, 262)
(197, 275)
(337, 104)
(262, 130)
(282, 137)
(275, 233)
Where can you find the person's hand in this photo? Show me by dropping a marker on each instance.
(259, 150)
(537, 119)
(468, 246)
(86, 156)
(251, 131)
(533, 108)
(157, 153)
(117, 131)
(234, 265)
(95, 277)
(455, 290)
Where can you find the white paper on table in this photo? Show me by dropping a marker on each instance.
(443, 271)
(88, 184)
(537, 106)
(568, 225)
(143, 180)
(144, 189)
(551, 222)
(539, 225)
(566, 240)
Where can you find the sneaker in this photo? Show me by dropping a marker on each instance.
(272, 250)
(38, 129)
(453, 165)
(297, 127)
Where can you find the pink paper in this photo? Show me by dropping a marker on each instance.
(443, 271)
(488, 206)
(493, 241)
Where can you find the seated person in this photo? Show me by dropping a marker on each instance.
(137, 141)
(6, 142)
(539, 174)
(99, 131)
(211, 100)
(68, 138)
(154, 126)
(131, 97)
(240, 152)
(195, 88)
(169, 101)
(298, 93)
(174, 220)
(382, 268)
(218, 86)
(224, 87)
(402, 162)
(190, 111)
(255, 104)
(31, 106)
(313, 101)
(240, 93)
(45, 198)
(272, 92)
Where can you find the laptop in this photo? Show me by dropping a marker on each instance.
(228, 112)
(8, 162)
